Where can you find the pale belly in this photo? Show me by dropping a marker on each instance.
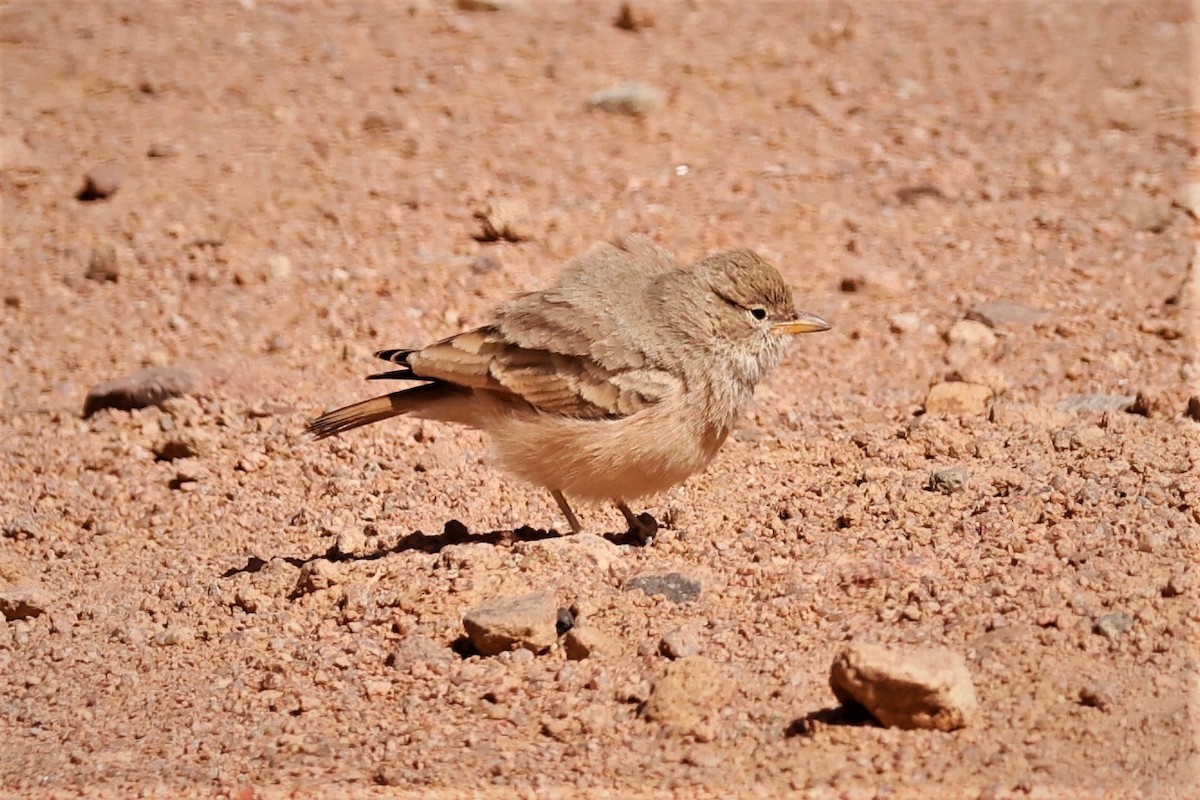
(624, 459)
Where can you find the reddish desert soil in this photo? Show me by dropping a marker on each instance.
(296, 188)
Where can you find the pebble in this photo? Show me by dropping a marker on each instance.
(587, 642)
(350, 541)
(633, 20)
(691, 689)
(163, 150)
(528, 621)
(1112, 625)
(101, 181)
(675, 586)
(105, 263)
(190, 445)
(904, 322)
(504, 219)
(995, 313)
(958, 398)
(949, 481)
(24, 600)
(632, 99)
(1192, 411)
(279, 267)
(489, 5)
(147, 387)
(318, 574)
(1097, 696)
(971, 333)
(680, 643)
(1177, 585)
(922, 689)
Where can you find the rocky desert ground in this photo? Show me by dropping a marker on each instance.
(993, 452)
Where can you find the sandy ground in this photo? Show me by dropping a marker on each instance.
(295, 187)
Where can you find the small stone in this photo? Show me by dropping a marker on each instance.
(948, 481)
(350, 541)
(163, 150)
(178, 447)
(904, 322)
(502, 624)
(958, 398)
(680, 643)
(587, 642)
(489, 5)
(1177, 585)
(1164, 329)
(995, 313)
(24, 600)
(180, 635)
(279, 267)
(1143, 212)
(105, 263)
(675, 586)
(1113, 625)
(1096, 402)
(632, 99)
(503, 219)
(1146, 405)
(971, 333)
(1097, 696)
(484, 264)
(148, 387)
(316, 575)
(923, 689)
(691, 690)
(628, 19)
(1192, 411)
(100, 182)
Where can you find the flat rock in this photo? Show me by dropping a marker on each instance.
(528, 621)
(148, 387)
(675, 586)
(1096, 402)
(926, 689)
(572, 554)
(587, 642)
(691, 690)
(995, 313)
(958, 398)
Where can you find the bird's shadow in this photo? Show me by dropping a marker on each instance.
(454, 532)
(848, 715)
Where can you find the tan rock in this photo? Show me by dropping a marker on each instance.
(929, 688)
(691, 690)
(586, 642)
(527, 621)
(958, 398)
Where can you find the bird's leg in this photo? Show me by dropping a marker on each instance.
(565, 508)
(641, 526)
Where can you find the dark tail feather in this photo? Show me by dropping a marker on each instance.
(397, 356)
(378, 409)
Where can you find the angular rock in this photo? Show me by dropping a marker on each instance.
(927, 689)
(503, 219)
(958, 398)
(971, 333)
(147, 387)
(105, 263)
(316, 575)
(528, 621)
(586, 642)
(24, 600)
(100, 182)
(680, 643)
(1113, 625)
(675, 586)
(948, 481)
(995, 313)
(692, 689)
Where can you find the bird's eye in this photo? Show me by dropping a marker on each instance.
(758, 313)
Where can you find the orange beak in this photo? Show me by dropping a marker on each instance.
(803, 323)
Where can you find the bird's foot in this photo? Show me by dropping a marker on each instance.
(642, 527)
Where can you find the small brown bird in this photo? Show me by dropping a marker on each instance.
(618, 382)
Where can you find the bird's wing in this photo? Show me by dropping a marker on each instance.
(558, 383)
(573, 350)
